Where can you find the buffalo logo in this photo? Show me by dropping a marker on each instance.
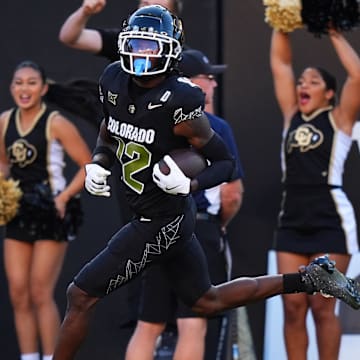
(22, 153)
(131, 109)
(305, 137)
(112, 98)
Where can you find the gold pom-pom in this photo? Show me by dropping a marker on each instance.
(10, 195)
(284, 15)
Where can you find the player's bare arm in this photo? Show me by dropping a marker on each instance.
(198, 131)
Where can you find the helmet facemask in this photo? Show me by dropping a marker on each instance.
(150, 42)
(145, 53)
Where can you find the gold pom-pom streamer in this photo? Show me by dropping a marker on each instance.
(10, 195)
(284, 15)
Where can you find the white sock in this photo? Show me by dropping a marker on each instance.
(30, 356)
(47, 357)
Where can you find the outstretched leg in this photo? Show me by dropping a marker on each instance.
(320, 276)
(76, 323)
(237, 293)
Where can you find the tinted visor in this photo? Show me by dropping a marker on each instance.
(143, 46)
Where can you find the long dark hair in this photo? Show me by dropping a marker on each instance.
(330, 82)
(78, 96)
(33, 65)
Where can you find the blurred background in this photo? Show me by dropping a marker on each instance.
(231, 32)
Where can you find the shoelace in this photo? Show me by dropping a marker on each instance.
(351, 286)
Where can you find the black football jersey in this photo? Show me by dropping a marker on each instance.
(314, 150)
(141, 121)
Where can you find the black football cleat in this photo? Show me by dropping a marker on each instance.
(322, 276)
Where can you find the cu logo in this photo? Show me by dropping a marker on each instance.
(22, 153)
(305, 137)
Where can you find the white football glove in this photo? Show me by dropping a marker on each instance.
(95, 180)
(175, 183)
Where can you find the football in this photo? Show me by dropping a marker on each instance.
(188, 160)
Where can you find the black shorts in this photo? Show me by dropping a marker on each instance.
(158, 302)
(169, 241)
(316, 220)
(37, 217)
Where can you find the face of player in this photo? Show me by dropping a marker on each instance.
(143, 46)
(168, 4)
(311, 92)
(142, 50)
(208, 84)
(27, 88)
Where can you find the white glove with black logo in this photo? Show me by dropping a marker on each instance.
(96, 180)
(175, 183)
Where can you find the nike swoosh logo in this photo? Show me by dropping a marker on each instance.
(170, 188)
(153, 106)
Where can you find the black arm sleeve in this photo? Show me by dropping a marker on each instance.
(109, 48)
(104, 152)
(103, 156)
(222, 164)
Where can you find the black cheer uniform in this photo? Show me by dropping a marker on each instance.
(316, 215)
(141, 121)
(37, 162)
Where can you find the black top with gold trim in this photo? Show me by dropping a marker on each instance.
(33, 156)
(314, 150)
(37, 162)
(316, 216)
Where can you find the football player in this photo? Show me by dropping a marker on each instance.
(150, 110)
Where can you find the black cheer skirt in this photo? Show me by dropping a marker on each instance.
(37, 218)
